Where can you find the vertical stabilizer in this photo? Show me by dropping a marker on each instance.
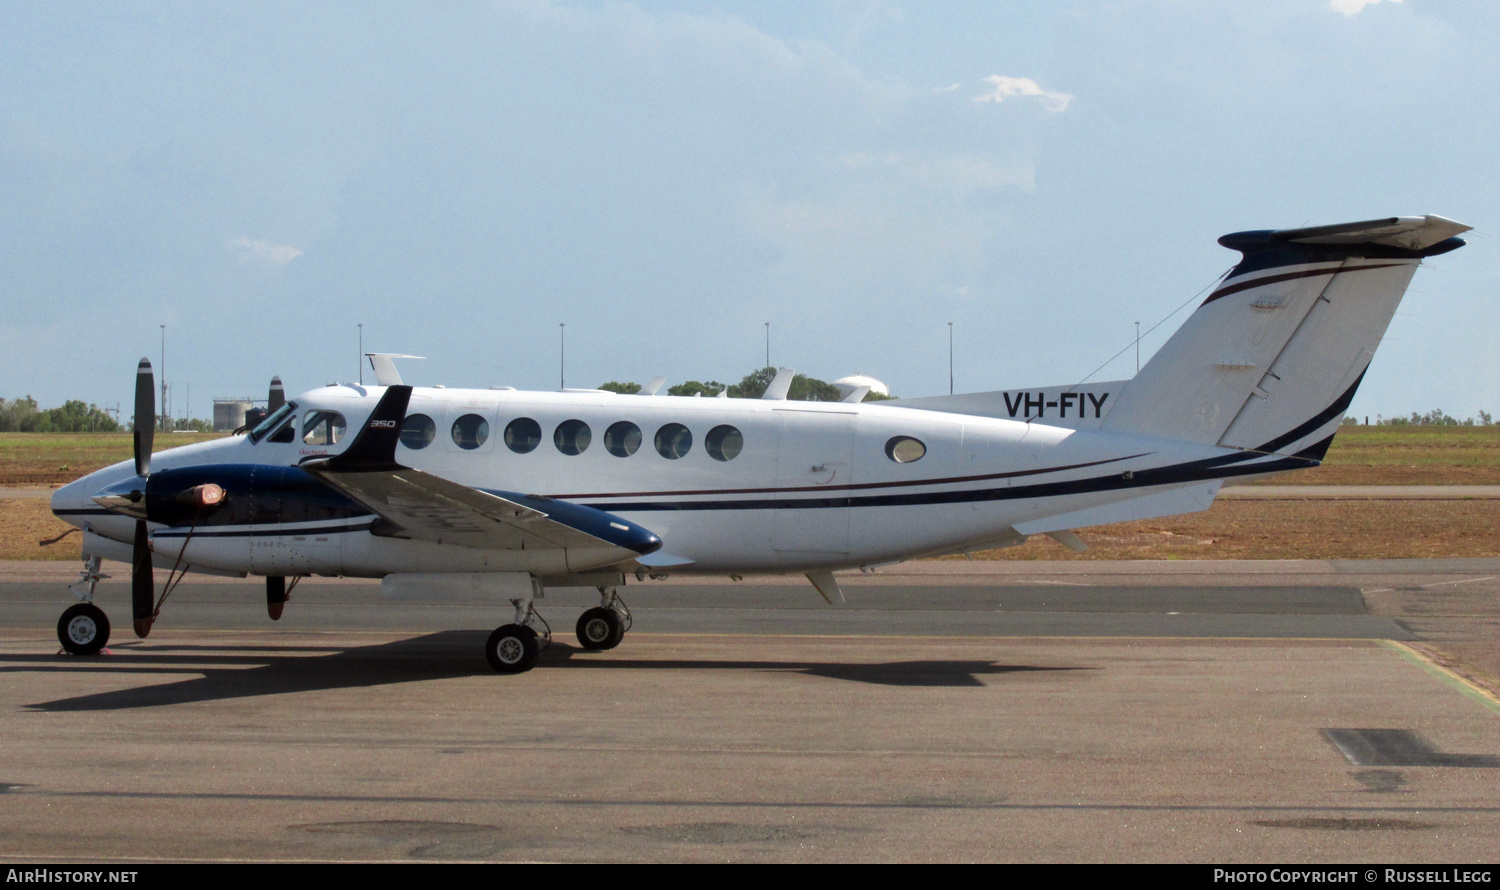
(1271, 360)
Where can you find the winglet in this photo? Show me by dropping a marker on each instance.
(375, 446)
(652, 386)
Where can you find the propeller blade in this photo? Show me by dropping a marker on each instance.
(277, 396)
(142, 582)
(145, 416)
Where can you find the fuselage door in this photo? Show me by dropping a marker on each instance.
(814, 466)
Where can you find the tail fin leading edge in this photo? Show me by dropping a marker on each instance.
(1271, 360)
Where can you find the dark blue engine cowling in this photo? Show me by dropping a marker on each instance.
(254, 494)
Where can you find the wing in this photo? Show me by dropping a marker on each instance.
(424, 507)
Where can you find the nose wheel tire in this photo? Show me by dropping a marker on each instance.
(512, 649)
(83, 629)
(600, 628)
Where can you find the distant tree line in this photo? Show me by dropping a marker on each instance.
(752, 386)
(25, 416)
(1435, 417)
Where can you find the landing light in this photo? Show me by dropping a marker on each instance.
(200, 496)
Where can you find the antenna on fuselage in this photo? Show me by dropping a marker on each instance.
(780, 385)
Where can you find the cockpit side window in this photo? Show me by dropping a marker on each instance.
(273, 421)
(322, 428)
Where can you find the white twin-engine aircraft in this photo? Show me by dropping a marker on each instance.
(446, 492)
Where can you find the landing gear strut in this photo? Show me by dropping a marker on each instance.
(605, 626)
(83, 628)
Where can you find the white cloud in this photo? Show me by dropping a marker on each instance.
(266, 252)
(1003, 88)
(1352, 7)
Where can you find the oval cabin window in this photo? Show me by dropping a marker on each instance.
(622, 439)
(418, 431)
(724, 443)
(522, 435)
(470, 431)
(905, 449)
(572, 437)
(673, 441)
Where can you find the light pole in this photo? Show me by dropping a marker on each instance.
(163, 413)
(359, 360)
(562, 355)
(768, 344)
(950, 358)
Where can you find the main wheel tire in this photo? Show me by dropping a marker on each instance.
(83, 629)
(512, 649)
(600, 628)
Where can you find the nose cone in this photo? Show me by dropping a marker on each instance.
(74, 503)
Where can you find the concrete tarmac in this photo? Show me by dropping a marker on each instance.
(1215, 712)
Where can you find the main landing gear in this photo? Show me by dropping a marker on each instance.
(83, 628)
(514, 648)
(605, 626)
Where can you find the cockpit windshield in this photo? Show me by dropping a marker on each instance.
(273, 421)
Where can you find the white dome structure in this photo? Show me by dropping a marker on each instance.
(849, 384)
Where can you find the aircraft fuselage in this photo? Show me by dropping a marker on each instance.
(811, 485)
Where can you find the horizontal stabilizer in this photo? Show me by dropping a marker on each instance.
(1408, 232)
(1187, 499)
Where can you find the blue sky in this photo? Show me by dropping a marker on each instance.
(666, 177)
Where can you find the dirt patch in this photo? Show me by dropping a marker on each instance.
(26, 522)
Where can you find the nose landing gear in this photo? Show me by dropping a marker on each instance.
(83, 628)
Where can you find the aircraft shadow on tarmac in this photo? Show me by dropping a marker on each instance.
(228, 672)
